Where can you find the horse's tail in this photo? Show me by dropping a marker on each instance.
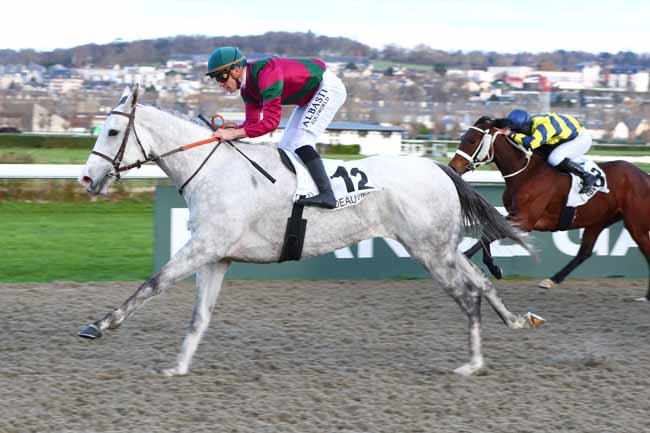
(480, 217)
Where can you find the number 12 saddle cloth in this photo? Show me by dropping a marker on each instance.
(350, 180)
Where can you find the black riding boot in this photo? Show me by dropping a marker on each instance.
(588, 179)
(316, 169)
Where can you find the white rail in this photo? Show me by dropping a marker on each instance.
(71, 171)
(68, 171)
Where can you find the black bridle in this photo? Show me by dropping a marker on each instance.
(117, 161)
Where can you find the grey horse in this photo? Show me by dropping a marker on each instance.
(236, 215)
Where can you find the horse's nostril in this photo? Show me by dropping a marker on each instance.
(86, 180)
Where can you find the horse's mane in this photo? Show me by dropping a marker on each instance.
(496, 123)
(182, 116)
(483, 119)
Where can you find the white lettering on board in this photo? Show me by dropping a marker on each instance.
(180, 234)
(180, 229)
(623, 243)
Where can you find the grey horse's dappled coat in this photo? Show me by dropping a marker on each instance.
(238, 215)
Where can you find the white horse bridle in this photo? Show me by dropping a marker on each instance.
(484, 153)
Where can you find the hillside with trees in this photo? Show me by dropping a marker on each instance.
(156, 51)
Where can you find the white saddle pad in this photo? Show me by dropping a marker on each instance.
(575, 198)
(350, 180)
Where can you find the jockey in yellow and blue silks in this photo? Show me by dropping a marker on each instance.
(561, 131)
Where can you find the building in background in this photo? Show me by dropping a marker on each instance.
(372, 139)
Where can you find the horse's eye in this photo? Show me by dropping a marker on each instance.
(113, 132)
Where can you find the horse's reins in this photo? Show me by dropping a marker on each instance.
(115, 162)
(488, 140)
(526, 152)
(228, 124)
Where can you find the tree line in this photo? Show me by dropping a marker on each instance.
(157, 51)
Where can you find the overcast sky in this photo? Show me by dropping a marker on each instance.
(498, 25)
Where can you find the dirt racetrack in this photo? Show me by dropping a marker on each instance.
(326, 357)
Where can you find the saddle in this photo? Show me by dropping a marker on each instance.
(350, 185)
(574, 198)
(349, 179)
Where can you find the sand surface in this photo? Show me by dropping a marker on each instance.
(326, 357)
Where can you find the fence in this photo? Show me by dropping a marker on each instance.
(615, 253)
(68, 171)
(446, 148)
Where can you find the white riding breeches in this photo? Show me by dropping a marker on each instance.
(309, 121)
(571, 149)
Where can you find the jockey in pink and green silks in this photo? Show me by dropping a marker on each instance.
(268, 84)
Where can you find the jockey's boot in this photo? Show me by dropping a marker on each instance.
(588, 179)
(316, 169)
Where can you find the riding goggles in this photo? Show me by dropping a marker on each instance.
(220, 76)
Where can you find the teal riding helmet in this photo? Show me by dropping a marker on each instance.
(224, 58)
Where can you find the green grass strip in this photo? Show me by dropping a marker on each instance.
(59, 241)
(47, 141)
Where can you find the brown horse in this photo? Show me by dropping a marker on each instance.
(535, 194)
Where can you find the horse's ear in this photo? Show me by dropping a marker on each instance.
(125, 95)
(483, 119)
(134, 94)
(129, 95)
(501, 123)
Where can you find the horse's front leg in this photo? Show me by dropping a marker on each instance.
(488, 260)
(473, 250)
(186, 261)
(210, 281)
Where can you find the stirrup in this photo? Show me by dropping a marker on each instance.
(588, 187)
(326, 201)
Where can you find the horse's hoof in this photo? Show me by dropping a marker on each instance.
(91, 331)
(171, 372)
(497, 272)
(534, 320)
(469, 369)
(546, 284)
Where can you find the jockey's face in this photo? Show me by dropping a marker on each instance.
(233, 82)
(524, 129)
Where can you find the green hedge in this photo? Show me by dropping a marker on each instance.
(344, 149)
(46, 141)
(624, 146)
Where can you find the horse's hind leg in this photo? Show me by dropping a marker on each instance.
(639, 229)
(210, 281)
(466, 284)
(187, 260)
(476, 278)
(468, 297)
(589, 238)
